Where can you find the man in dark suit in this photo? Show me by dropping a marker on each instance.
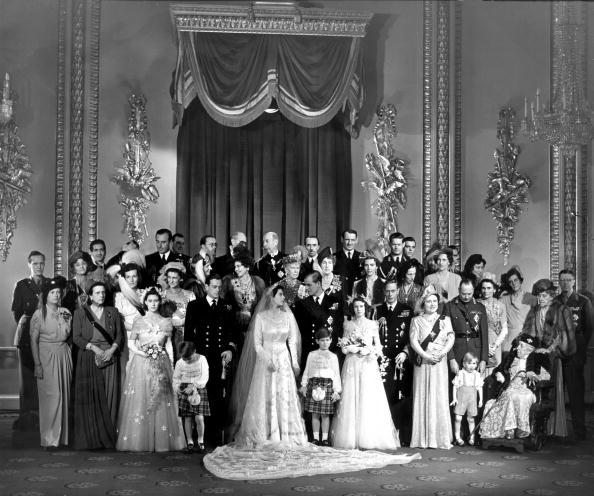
(269, 267)
(312, 245)
(393, 260)
(225, 264)
(162, 256)
(573, 366)
(24, 304)
(469, 321)
(210, 326)
(348, 260)
(394, 320)
(315, 311)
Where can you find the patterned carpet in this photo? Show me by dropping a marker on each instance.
(560, 468)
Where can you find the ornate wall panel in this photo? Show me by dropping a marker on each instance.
(77, 120)
(60, 138)
(555, 157)
(457, 190)
(569, 213)
(443, 123)
(427, 120)
(93, 106)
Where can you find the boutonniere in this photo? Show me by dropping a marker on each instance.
(334, 307)
(272, 262)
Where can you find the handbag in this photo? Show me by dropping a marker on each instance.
(98, 361)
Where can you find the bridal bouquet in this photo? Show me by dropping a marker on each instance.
(354, 340)
(154, 351)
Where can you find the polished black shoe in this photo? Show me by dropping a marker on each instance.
(189, 448)
(325, 442)
(200, 448)
(316, 442)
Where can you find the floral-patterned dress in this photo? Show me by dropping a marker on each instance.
(497, 323)
(363, 419)
(148, 418)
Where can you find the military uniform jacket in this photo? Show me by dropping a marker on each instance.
(349, 268)
(469, 322)
(388, 263)
(270, 268)
(24, 302)
(396, 336)
(311, 316)
(210, 329)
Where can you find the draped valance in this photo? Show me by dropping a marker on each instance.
(237, 74)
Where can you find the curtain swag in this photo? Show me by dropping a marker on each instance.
(236, 76)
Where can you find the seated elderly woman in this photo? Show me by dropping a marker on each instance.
(509, 415)
(552, 323)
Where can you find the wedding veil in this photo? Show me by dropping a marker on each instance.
(247, 362)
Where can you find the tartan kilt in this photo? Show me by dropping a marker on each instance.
(185, 409)
(323, 407)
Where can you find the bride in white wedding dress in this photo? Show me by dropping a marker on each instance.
(270, 440)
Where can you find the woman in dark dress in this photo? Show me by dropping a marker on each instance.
(97, 332)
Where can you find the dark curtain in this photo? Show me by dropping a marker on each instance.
(235, 76)
(270, 175)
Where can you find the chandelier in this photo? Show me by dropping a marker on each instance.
(568, 122)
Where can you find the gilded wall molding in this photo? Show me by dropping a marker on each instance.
(77, 121)
(582, 219)
(60, 139)
(569, 212)
(427, 120)
(93, 106)
(443, 123)
(269, 19)
(457, 235)
(554, 158)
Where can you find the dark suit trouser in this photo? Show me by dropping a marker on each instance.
(573, 375)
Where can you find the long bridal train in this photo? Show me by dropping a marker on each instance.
(275, 461)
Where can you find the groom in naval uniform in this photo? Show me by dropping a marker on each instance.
(210, 326)
(394, 320)
(318, 310)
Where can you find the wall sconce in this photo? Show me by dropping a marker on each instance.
(15, 170)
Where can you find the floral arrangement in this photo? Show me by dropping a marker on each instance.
(154, 351)
(136, 177)
(507, 188)
(387, 176)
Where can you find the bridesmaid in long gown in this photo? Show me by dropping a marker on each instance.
(431, 337)
(148, 418)
(363, 418)
(50, 330)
